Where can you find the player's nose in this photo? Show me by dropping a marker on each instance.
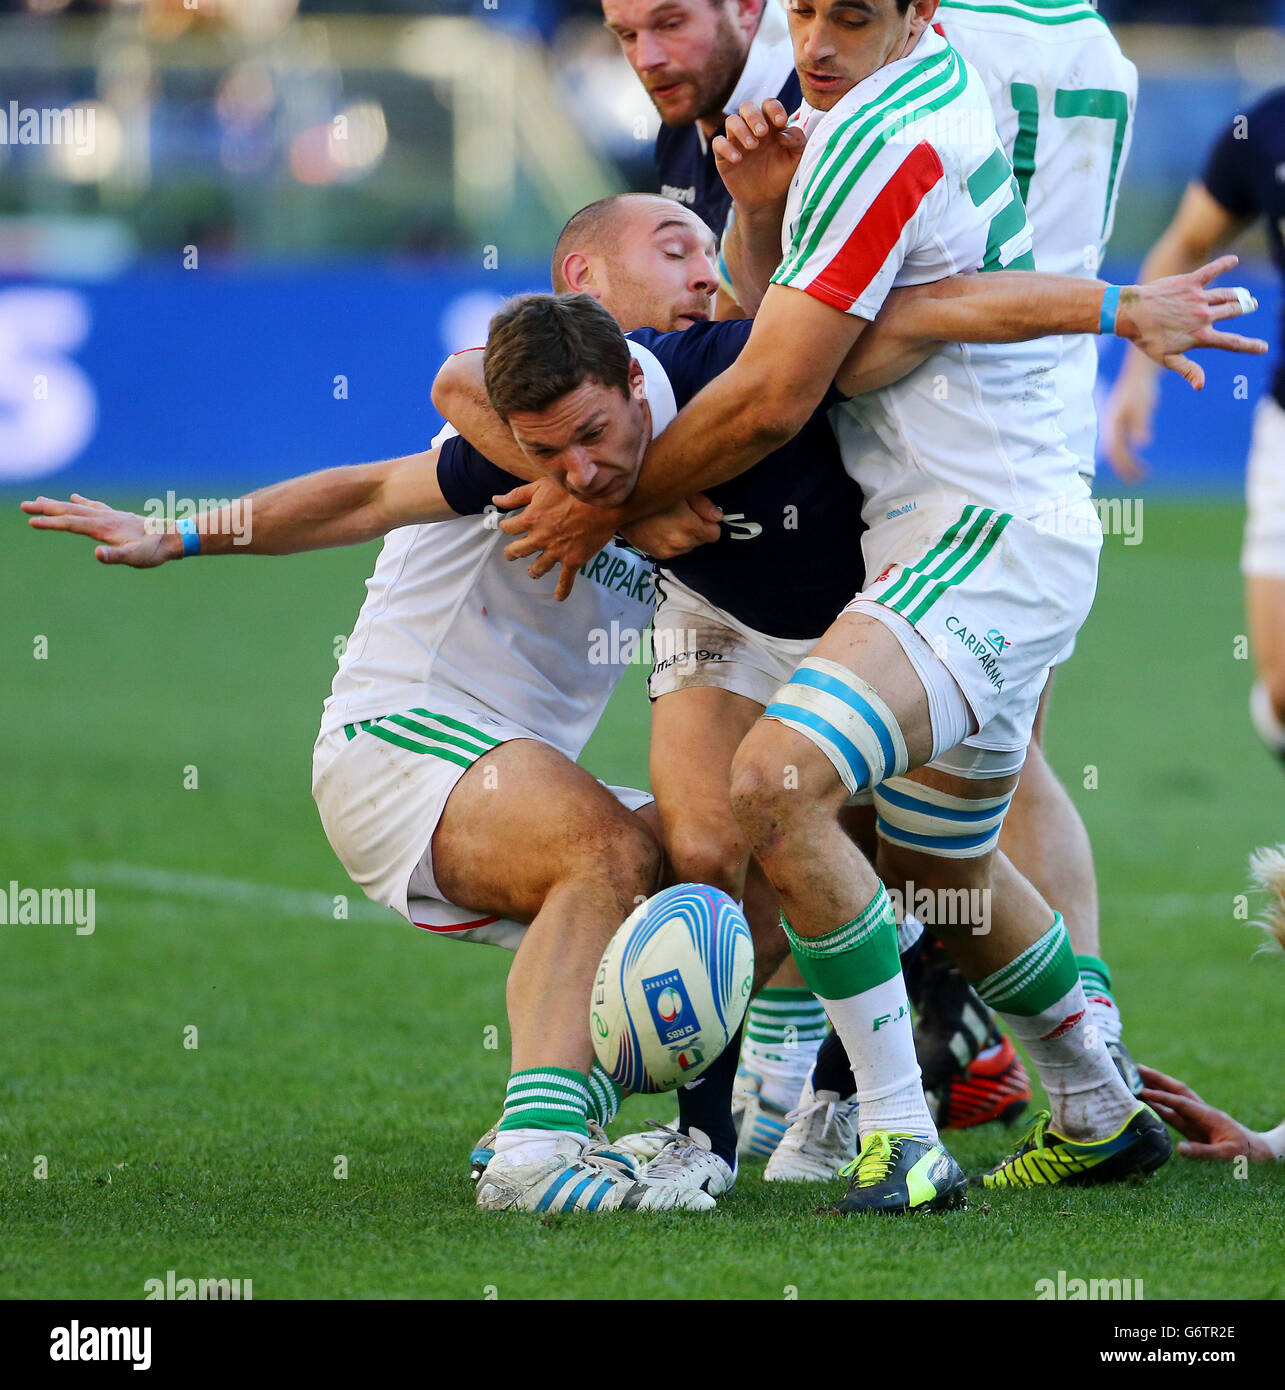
(581, 469)
(648, 52)
(704, 275)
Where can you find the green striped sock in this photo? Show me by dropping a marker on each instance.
(604, 1096)
(780, 1021)
(546, 1098)
(1044, 973)
(1096, 978)
(853, 958)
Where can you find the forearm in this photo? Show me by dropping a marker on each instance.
(998, 307)
(737, 411)
(752, 252)
(338, 506)
(459, 393)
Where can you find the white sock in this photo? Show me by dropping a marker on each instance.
(523, 1146)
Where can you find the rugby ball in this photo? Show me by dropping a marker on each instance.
(672, 988)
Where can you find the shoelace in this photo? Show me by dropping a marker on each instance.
(873, 1164)
(833, 1116)
(680, 1147)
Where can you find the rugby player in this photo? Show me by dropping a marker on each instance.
(698, 61)
(1063, 95)
(1002, 530)
(1243, 180)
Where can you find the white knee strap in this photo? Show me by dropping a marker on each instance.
(844, 716)
(934, 822)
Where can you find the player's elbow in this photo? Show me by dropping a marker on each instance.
(454, 379)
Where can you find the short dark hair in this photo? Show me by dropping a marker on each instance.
(541, 346)
(591, 228)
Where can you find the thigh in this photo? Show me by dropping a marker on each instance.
(524, 818)
(695, 733)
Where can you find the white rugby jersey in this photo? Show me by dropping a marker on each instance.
(1064, 97)
(447, 616)
(905, 182)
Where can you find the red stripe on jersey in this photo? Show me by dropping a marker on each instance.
(940, 30)
(870, 243)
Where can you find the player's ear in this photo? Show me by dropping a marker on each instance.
(578, 273)
(922, 14)
(637, 380)
(749, 12)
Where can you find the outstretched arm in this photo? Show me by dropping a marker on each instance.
(1163, 320)
(339, 506)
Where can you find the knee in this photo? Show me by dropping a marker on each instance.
(712, 852)
(771, 796)
(622, 856)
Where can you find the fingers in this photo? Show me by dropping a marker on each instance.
(1230, 302)
(1191, 372)
(519, 497)
(566, 581)
(1159, 1081)
(1172, 1118)
(1230, 342)
(1214, 269)
(776, 113)
(755, 119)
(89, 502)
(520, 548)
(704, 508)
(514, 524)
(541, 566)
(1222, 1152)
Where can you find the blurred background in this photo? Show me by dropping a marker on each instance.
(269, 220)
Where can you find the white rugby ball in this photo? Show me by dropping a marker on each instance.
(672, 988)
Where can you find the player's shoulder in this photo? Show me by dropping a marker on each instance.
(1049, 30)
(693, 357)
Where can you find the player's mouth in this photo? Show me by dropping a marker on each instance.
(823, 81)
(666, 91)
(601, 495)
(690, 317)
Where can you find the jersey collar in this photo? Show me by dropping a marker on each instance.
(660, 394)
(930, 44)
(768, 64)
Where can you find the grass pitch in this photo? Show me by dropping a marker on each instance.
(363, 1040)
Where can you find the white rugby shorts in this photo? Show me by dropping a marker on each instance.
(696, 644)
(381, 786)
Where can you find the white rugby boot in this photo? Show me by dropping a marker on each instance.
(600, 1152)
(760, 1125)
(687, 1163)
(566, 1182)
(821, 1139)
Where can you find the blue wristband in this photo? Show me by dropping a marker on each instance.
(1110, 309)
(191, 537)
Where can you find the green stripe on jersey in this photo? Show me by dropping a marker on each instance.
(841, 168)
(1036, 11)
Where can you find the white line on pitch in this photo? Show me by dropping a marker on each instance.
(145, 878)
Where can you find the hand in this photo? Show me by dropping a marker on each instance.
(758, 154)
(563, 529)
(677, 530)
(1209, 1133)
(130, 539)
(1167, 317)
(1127, 420)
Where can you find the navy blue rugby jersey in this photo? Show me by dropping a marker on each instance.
(1246, 174)
(789, 557)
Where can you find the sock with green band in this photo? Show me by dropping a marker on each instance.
(783, 1030)
(1039, 995)
(856, 973)
(552, 1098)
(604, 1096)
(1105, 1012)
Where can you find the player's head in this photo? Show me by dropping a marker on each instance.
(838, 43)
(559, 373)
(649, 261)
(687, 53)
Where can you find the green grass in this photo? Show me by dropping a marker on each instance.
(364, 1038)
